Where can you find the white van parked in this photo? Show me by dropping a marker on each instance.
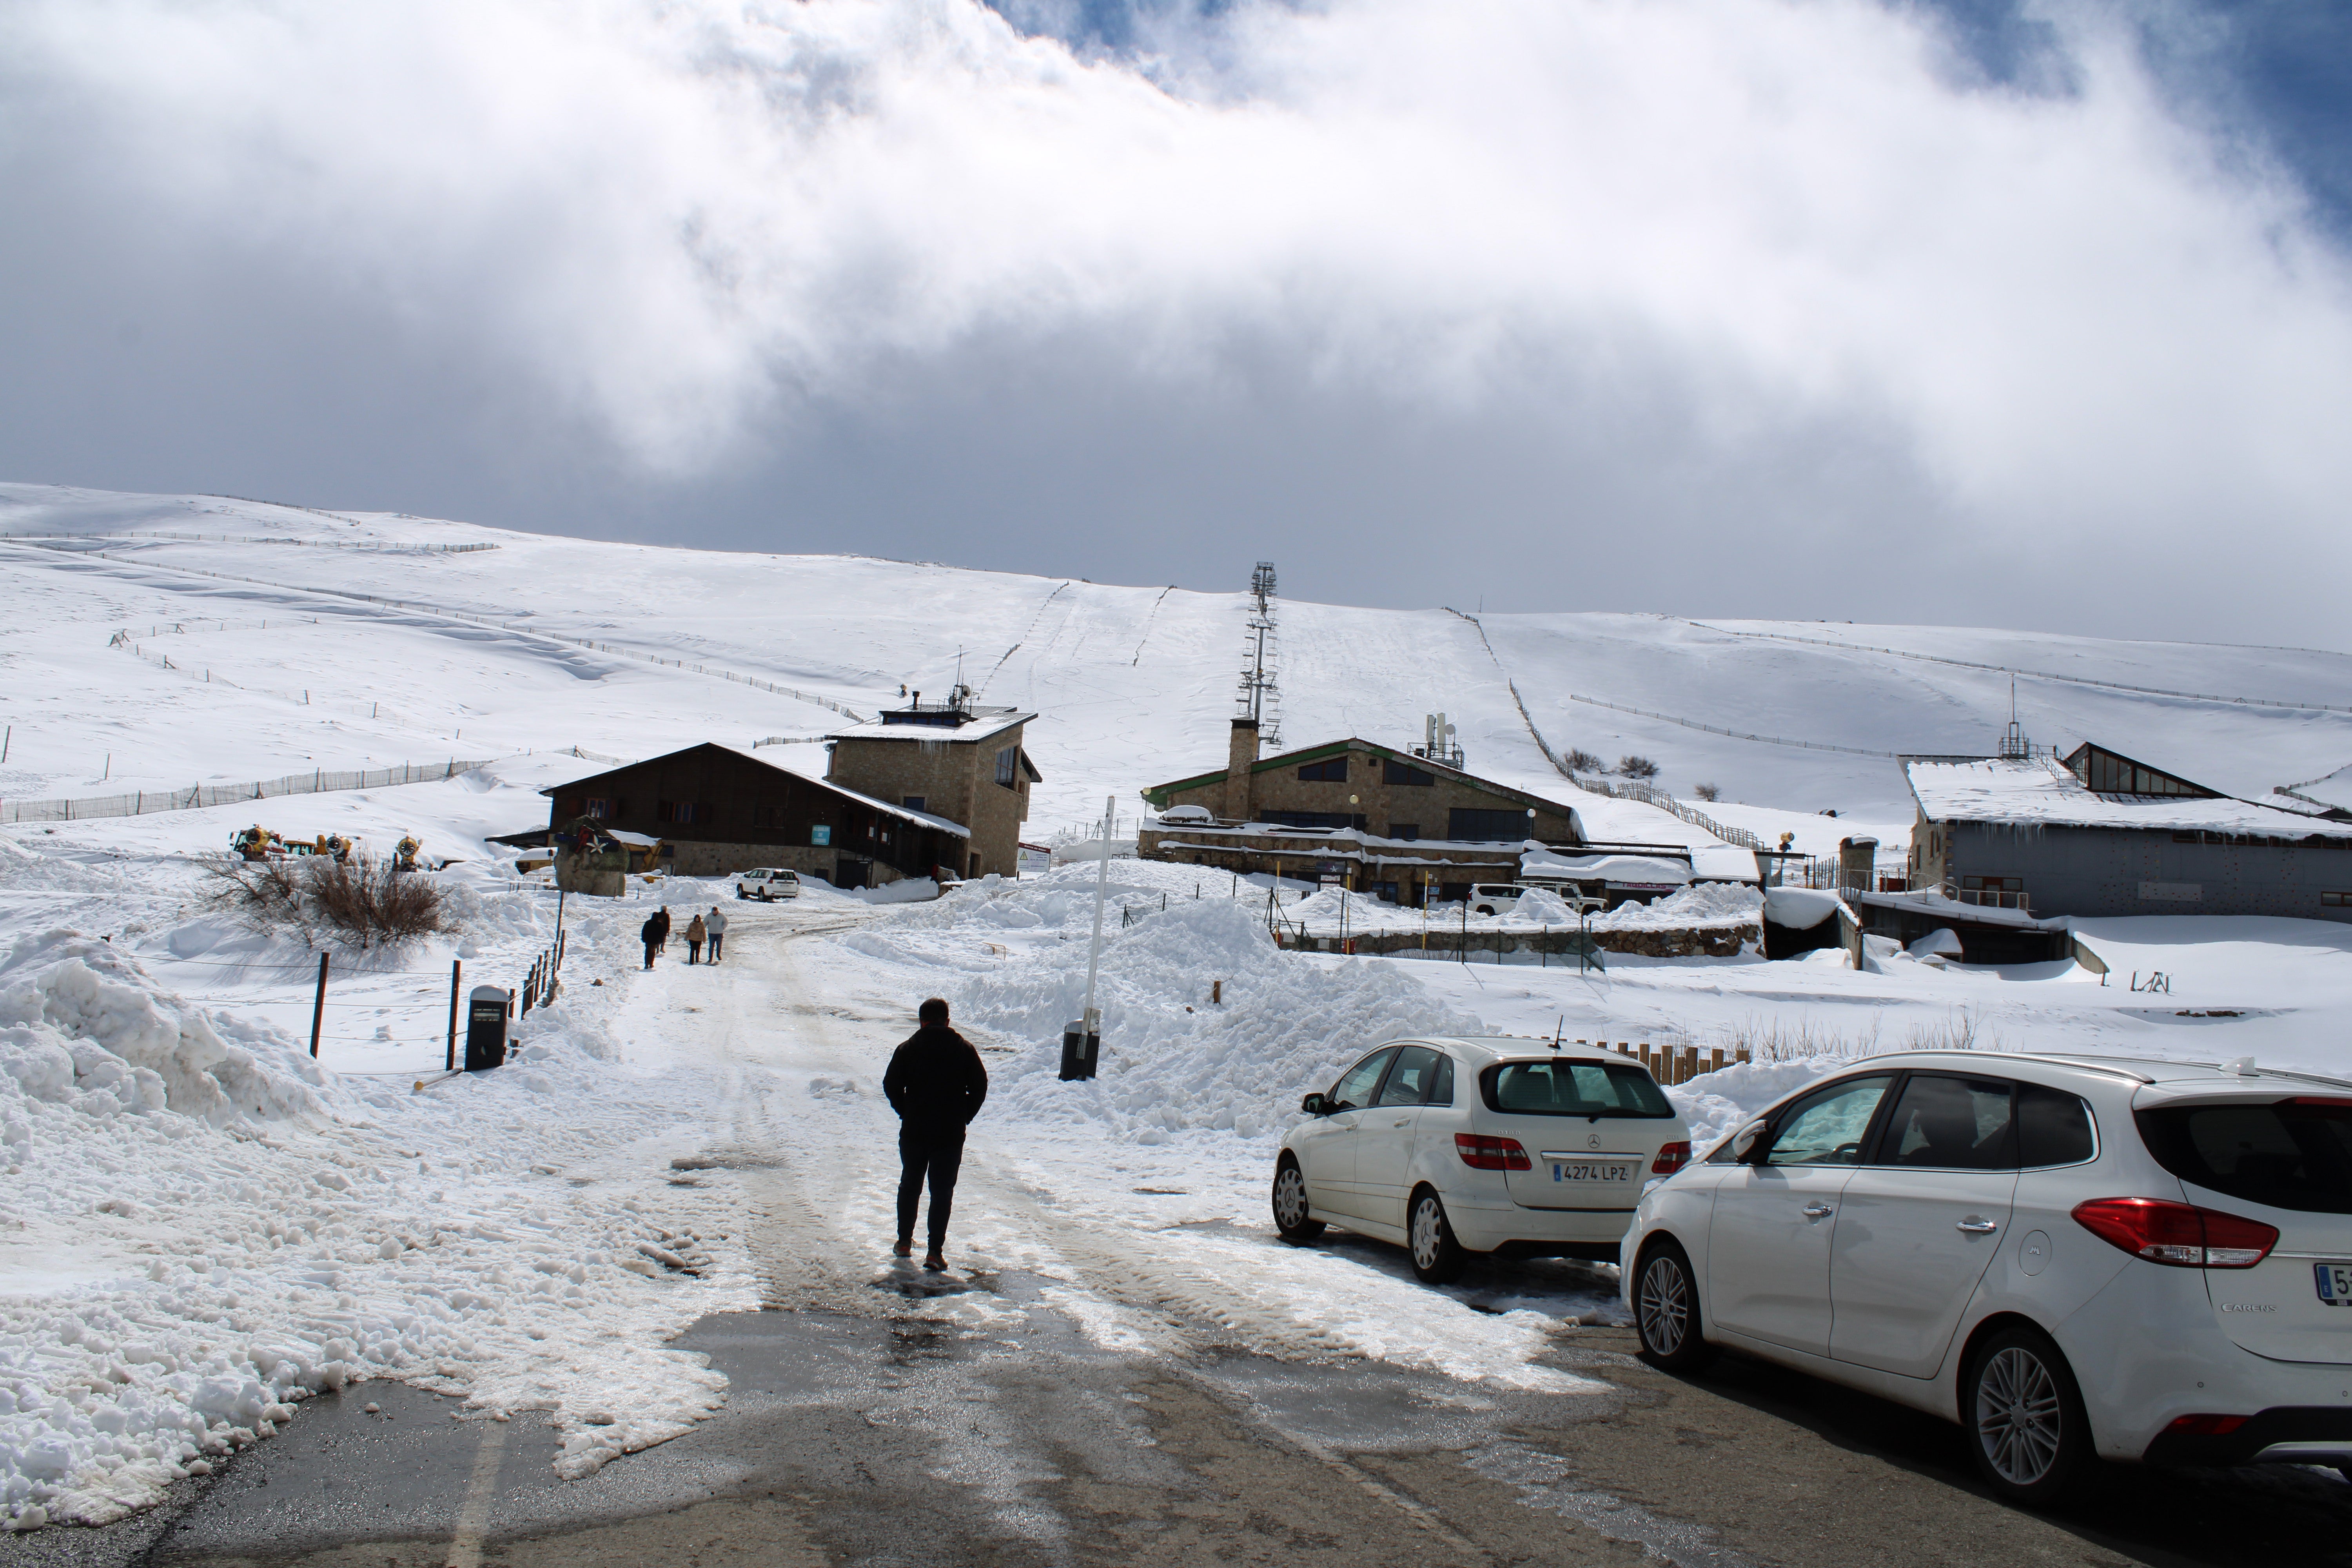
(768, 885)
(1494, 897)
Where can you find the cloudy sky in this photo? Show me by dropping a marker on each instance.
(2018, 313)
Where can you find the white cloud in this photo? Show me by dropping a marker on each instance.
(691, 221)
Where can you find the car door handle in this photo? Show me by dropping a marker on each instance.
(1976, 1226)
(1819, 1211)
(1404, 1121)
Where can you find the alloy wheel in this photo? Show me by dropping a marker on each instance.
(2018, 1416)
(1428, 1231)
(1664, 1305)
(1289, 1198)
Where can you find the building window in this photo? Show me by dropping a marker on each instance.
(2336, 901)
(599, 807)
(1407, 831)
(1332, 771)
(1992, 884)
(1397, 773)
(1474, 826)
(1313, 818)
(911, 802)
(681, 812)
(1008, 767)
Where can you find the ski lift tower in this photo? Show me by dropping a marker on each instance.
(1260, 700)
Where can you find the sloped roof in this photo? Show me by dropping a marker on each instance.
(2042, 791)
(984, 722)
(921, 818)
(1158, 792)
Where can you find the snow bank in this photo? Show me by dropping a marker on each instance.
(1799, 908)
(1717, 1104)
(207, 1230)
(1703, 903)
(1171, 1062)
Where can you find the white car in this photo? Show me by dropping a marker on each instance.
(1453, 1146)
(768, 884)
(1494, 897)
(2071, 1256)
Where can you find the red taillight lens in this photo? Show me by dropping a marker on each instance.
(2179, 1235)
(1672, 1157)
(2206, 1426)
(1484, 1153)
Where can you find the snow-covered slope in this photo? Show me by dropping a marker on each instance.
(273, 666)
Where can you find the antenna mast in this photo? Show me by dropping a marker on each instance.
(1260, 699)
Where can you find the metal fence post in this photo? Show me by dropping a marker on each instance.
(457, 969)
(318, 1007)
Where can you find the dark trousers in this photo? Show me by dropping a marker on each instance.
(717, 941)
(935, 1151)
(693, 951)
(651, 947)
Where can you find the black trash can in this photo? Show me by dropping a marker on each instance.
(486, 1028)
(1079, 1049)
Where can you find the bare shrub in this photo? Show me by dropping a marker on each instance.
(1583, 761)
(1774, 1040)
(264, 894)
(362, 901)
(1635, 767)
(1707, 791)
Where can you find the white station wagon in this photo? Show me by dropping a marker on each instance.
(768, 884)
(2071, 1256)
(1453, 1146)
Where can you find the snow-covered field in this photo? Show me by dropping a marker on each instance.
(201, 1226)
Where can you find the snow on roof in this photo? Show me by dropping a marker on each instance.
(905, 813)
(1644, 870)
(635, 841)
(984, 722)
(2042, 791)
(1724, 863)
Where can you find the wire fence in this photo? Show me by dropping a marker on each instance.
(318, 780)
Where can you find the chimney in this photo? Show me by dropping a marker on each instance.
(1238, 761)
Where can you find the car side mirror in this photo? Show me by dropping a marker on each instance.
(1314, 1106)
(1750, 1143)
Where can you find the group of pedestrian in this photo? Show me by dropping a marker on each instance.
(710, 928)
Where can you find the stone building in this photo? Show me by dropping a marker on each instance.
(2097, 833)
(953, 760)
(717, 810)
(1386, 821)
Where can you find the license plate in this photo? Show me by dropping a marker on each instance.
(2335, 1283)
(1595, 1173)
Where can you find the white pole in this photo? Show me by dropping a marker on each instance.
(1091, 1021)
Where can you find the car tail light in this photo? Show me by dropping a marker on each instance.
(2205, 1425)
(1672, 1157)
(2177, 1234)
(1484, 1153)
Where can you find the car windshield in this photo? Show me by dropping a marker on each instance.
(2293, 1155)
(1566, 1088)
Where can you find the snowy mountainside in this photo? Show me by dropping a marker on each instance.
(273, 666)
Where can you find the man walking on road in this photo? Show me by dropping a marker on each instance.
(717, 924)
(650, 933)
(936, 1083)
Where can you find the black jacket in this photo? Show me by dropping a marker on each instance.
(935, 1080)
(651, 932)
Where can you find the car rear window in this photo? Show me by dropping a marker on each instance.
(1572, 1089)
(2288, 1155)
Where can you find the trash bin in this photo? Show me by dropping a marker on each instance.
(486, 1027)
(1079, 1049)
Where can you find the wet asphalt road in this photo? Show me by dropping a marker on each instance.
(877, 1435)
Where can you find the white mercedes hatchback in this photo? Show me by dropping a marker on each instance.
(1450, 1147)
(2071, 1256)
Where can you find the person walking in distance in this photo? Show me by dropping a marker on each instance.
(716, 922)
(650, 933)
(695, 931)
(936, 1083)
(661, 916)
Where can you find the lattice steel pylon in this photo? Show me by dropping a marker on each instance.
(1260, 698)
